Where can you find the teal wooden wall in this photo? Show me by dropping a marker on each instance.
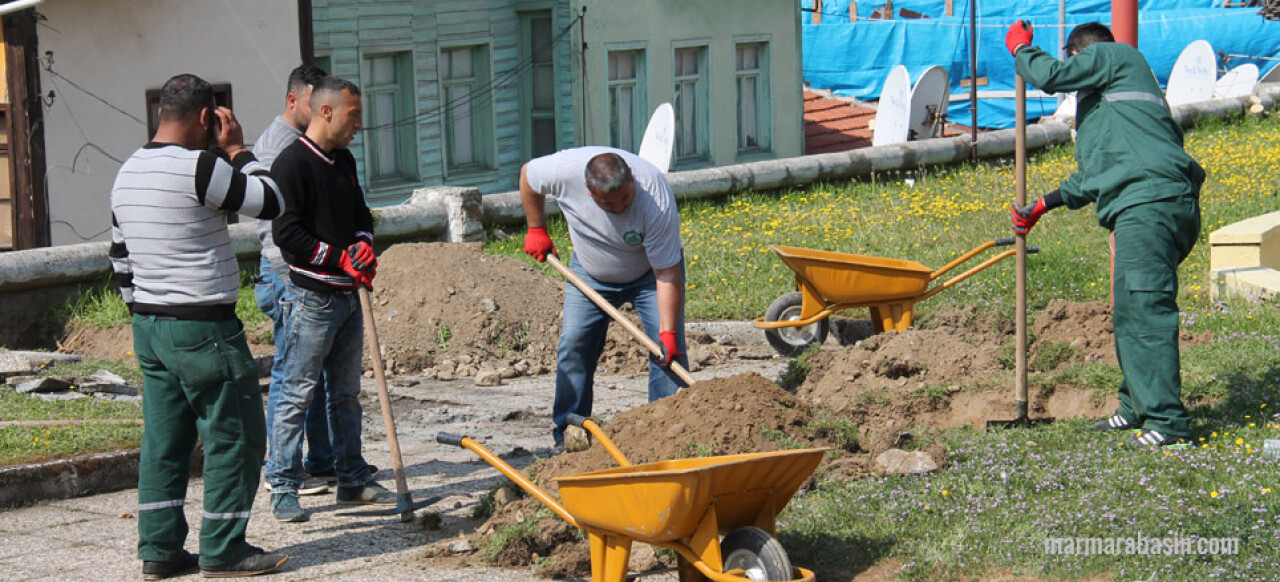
(345, 30)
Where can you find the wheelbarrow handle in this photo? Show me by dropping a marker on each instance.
(448, 438)
(593, 427)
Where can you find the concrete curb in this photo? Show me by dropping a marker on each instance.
(76, 477)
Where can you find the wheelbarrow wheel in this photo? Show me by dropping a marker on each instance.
(755, 552)
(793, 341)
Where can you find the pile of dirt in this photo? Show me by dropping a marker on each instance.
(958, 372)
(1086, 327)
(745, 413)
(449, 311)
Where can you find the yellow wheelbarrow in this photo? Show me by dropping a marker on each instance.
(685, 505)
(828, 282)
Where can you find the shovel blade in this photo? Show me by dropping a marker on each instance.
(404, 505)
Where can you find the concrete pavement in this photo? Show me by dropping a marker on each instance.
(94, 538)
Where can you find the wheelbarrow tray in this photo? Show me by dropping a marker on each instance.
(856, 279)
(665, 501)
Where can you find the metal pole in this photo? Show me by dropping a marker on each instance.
(1124, 21)
(973, 79)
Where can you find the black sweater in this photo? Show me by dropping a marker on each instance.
(324, 213)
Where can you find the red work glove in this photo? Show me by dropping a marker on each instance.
(1026, 217)
(367, 275)
(537, 243)
(670, 351)
(1019, 36)
(344, 263)
(361, 255)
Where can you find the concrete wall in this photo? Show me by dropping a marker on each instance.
(658, 26)
(117, 50)
(346, 31)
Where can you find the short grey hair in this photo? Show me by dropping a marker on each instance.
(608, 173)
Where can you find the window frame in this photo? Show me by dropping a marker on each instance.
(763, 95)
(483, 137)
(702, 109)
(528, 115)
(639, 93)
(404, 109)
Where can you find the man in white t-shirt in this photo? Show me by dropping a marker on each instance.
(626, 245)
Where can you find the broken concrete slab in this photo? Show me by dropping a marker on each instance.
(43, 384)
(62, 395)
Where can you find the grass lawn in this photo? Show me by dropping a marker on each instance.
(1005, 493)
(24, 444)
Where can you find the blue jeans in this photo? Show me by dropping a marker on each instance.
(324, 336)
(582, 341)
(271, 293)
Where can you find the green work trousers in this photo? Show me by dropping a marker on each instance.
(1150, 241)
(199, 381)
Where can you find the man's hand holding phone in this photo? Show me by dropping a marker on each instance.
(227, 133)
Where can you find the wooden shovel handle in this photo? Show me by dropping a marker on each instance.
(617, 316)
(384, 399)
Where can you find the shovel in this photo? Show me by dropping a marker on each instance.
(1020, 418)
(405, 505)
(617, 316)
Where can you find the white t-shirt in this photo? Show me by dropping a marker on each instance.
(613, 248)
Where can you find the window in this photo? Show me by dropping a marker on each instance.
(626, 99)
(751, 70)
(221, 95)
(390, 123)
(690, 80)
(538, 89)
(468, 105)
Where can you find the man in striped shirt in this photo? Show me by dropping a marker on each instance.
(176, 267)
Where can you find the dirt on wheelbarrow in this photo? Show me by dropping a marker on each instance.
(739, 414)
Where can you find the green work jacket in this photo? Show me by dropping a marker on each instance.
(1128, 147)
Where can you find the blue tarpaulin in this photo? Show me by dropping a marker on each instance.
(853, 59)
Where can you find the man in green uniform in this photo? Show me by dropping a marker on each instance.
(175, 265)
(1132, 166)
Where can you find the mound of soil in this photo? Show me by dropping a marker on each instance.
(1086, 327)
(448, 311)
(955, 374)
(745, 413)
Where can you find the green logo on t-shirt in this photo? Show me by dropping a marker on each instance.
(633, 238)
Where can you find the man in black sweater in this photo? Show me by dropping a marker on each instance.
(326, 236)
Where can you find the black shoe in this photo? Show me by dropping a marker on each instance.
(255, 561)
(168, 568)
(369, 493)
(1151, 438)
(1114, 422)
(330, 477)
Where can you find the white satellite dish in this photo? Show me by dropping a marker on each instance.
(659, 137)
(928, 104)
(1238, 82)
(893, 112)
(1193, 75)
(1067, 108)
(1272, 76)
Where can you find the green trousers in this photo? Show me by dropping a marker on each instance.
(1151, 240)
(199, 381)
